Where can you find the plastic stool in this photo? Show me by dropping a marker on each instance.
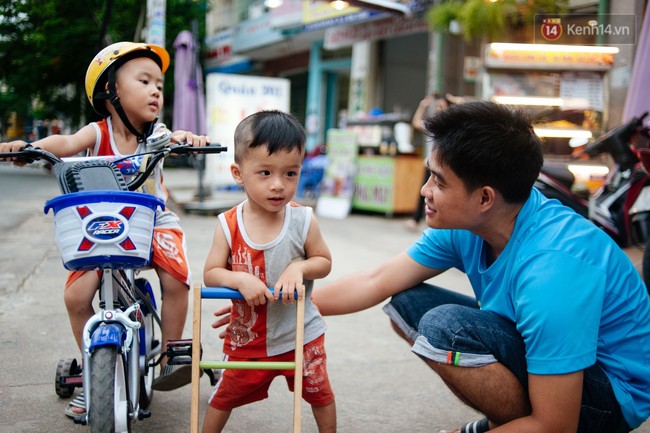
(201, 293)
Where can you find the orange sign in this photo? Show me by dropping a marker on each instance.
(542, 59)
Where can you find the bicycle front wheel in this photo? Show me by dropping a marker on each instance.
(109, 404)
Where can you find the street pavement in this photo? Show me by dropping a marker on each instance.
(379, 385)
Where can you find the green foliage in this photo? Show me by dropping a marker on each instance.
(441, 16)
(46, 46)
(487, 19)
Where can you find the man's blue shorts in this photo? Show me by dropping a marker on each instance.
(448, 327)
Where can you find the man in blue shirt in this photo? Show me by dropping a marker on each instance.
(557, 338)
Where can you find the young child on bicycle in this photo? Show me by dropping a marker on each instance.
(124, 84)
(269, 241)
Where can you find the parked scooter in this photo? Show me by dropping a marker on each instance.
(621, 206)
(644, 155)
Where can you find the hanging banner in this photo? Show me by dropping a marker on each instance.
(229, 99)
(156, 22)
(346, 36)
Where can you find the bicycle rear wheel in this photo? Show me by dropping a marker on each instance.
(109, 404)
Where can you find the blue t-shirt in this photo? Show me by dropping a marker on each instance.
(573, 293)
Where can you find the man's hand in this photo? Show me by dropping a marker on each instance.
(223, 315)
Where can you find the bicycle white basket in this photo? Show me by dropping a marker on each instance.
(104, 229)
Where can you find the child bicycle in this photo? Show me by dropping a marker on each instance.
(100, 225)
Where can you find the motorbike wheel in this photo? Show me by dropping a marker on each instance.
(109, 404)
(65, 367)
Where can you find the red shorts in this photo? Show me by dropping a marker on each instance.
(168, 254)
(239, 387)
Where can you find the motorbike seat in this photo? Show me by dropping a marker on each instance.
(559, 172)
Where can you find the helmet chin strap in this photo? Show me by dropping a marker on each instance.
(114, 99)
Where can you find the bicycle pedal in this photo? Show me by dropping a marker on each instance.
(71, 380)
(179, 352)
(143, 413)
(81, 419)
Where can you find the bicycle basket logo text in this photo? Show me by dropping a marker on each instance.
(105, 227)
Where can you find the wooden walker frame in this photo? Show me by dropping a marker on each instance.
(201, 293)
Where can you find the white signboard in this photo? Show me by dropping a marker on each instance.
(582, 91)
(229, 99)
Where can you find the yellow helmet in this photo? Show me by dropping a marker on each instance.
(96, 75)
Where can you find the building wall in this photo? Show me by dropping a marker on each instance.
(403, 81)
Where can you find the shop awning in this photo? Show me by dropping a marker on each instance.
(389, 6)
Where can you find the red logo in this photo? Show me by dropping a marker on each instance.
(551, 28)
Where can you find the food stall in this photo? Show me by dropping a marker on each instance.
(563, 86)
(389, 173)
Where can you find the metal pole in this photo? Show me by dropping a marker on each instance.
(200, 158)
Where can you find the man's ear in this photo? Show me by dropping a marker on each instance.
(488, 195)
(236, 173)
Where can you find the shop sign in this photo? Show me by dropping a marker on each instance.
(547, 59)
(254, 33)
(471, 66)
(339, 37)
(219, 55)
(319, 15)
(314, 11)
(288, 14)
(229, 99)
(374, 184)
(156, 22)
(335, 199)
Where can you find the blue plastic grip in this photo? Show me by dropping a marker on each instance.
(226, 293)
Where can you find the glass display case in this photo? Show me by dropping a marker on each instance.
(562, 86)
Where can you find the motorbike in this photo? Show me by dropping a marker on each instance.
(644, 155)
(621, 206)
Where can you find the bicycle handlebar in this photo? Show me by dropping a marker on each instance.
(29, 154)
(178, 149)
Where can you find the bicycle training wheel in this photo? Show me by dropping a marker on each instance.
(65, 367)
(109, 405)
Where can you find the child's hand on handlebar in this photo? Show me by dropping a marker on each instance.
(190, 138)
(13, 146)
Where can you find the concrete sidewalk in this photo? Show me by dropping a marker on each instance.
(380, 386)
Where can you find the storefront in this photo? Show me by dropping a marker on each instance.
(563, 86)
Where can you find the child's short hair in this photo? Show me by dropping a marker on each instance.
(274, 129)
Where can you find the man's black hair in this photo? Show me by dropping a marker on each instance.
(488, 144)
